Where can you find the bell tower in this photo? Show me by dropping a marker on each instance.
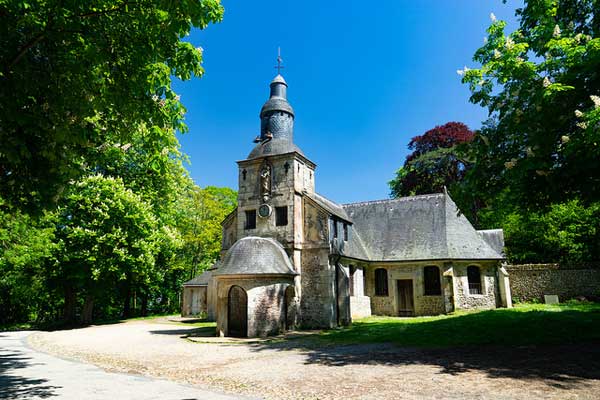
(274, 176)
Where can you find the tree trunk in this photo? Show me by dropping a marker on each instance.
(88, 309)
(127, 303)
(69, 306)
(134, 298)
(144, 310)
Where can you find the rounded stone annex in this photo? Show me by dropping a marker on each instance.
(256, 256)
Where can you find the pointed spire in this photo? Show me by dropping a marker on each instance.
(279, 62)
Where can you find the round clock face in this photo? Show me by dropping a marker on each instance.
(264, 210)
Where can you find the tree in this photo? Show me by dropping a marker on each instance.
(26, 246)
(434, 162)
(541, 86)
(536, 161)
(201, 214)
(78, 75)
(567, 233)
(106, 235)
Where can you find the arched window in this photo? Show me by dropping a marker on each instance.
(433, 284)
(381, 282)
(474, 278)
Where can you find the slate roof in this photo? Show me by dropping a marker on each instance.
(200, 280)
(329, 206)
(276, 104)
(274, 147)
(427, 227)
(255, 256)
(495, 238)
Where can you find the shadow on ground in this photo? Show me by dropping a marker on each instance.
(14, 386)
(207, 331)
(502, 345)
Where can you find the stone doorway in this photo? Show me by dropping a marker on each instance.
(237, 312)
(406, 305)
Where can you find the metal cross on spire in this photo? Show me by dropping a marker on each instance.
(279, 61)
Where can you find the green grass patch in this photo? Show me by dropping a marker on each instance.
(23, 326)
(525, 324)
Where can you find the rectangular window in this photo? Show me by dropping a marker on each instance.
(345, 232)
(381, 282)
(281, 216)
(474, 278)
(335, 228)
(432, 281)
(250, 219)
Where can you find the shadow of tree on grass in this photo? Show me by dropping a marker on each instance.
(562, 348)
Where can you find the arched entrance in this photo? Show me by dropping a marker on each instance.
(237, 312)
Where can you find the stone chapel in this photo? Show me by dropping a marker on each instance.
(292, 258)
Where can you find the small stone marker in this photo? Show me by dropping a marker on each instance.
(551, 299)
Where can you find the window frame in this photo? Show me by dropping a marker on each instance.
(432, 288)
(381, 282)
(250, 216)
(278, 218)
(345, 228)
(474, 288)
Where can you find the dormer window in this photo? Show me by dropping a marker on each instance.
(345, 232)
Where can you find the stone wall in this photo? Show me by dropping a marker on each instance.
(266, 303)
(360, 305)
(290, 174)
(489, 297)
(266, 310)
(530, 282)
(388, 305)
(317, 303)
(194, 301)
(318, 307)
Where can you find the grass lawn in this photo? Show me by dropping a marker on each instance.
(525, 324)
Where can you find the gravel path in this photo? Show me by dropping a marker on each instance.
(28, 374)
(297, 369)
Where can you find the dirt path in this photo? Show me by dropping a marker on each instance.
(297, 369)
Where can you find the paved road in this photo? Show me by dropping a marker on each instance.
(28, 374)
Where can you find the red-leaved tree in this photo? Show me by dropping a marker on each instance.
(434, 161)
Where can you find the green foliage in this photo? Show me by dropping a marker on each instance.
(201, 212)
(536, 161)
(93, 221)
(522, 325)
(434, 162)
(25, 245)
(567, 233)
(541, 86)
(78, 75)
(106, 235)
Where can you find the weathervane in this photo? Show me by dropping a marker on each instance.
(279, 61)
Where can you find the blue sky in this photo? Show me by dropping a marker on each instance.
(364, 78)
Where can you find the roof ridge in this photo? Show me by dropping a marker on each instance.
(325, 197)
(405, 198)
